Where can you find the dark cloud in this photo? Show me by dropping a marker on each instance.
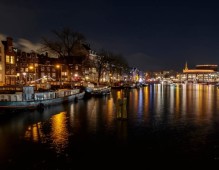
(150, 34)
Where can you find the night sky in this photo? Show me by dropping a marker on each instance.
(151, 35)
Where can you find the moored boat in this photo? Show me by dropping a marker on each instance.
(101, 90)
(88, 87)
(117, 85)
(30, 99)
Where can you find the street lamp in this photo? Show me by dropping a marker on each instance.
(33, 68)
(58, 66)
(76, 76)
(25, 78)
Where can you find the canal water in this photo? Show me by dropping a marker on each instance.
(156, 122)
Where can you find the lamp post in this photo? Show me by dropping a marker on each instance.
(31, 68)
(59, 66)
(25, 78)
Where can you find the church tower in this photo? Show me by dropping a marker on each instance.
(186, 67)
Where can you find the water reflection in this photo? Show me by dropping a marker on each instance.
(188, 100)
(54, 132)
(59, 133)
(33, 132)
(181, 120)
(157, 105)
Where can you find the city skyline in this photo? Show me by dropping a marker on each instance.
(150, 35)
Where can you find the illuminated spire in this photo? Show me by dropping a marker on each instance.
(186, 66)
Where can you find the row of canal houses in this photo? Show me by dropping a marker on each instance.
(20, 67)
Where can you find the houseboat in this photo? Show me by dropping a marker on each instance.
(28, 98)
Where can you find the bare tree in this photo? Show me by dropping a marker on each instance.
(101, 62)
(107, 61)
(63, 44)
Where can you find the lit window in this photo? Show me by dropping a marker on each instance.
(0, 67)
(7, 59)
(12, 60)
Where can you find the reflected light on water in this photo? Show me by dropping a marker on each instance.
(110, 111)
(157, 102)
(146, 100)
(133, 100)
(140, 102)
(72, 114)
(184, 101)
(178, 100)
(198, 100)
(119, 95)
(193, 102)
(33, 132)
(59, 134)
(180, 120)
(171, 99)
(209, 101)
(158, 93)
(92, 115)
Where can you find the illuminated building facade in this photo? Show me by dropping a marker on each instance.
(207, 67)
(20, 67)
(2, 65)
(32, 67)
(201, 74)
(10, 62)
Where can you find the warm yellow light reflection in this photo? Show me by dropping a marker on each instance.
(172, 100)
(119, 94)
(146, 100)
(110, 112)
(33, 132)
(59, 134)
(177, 99)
